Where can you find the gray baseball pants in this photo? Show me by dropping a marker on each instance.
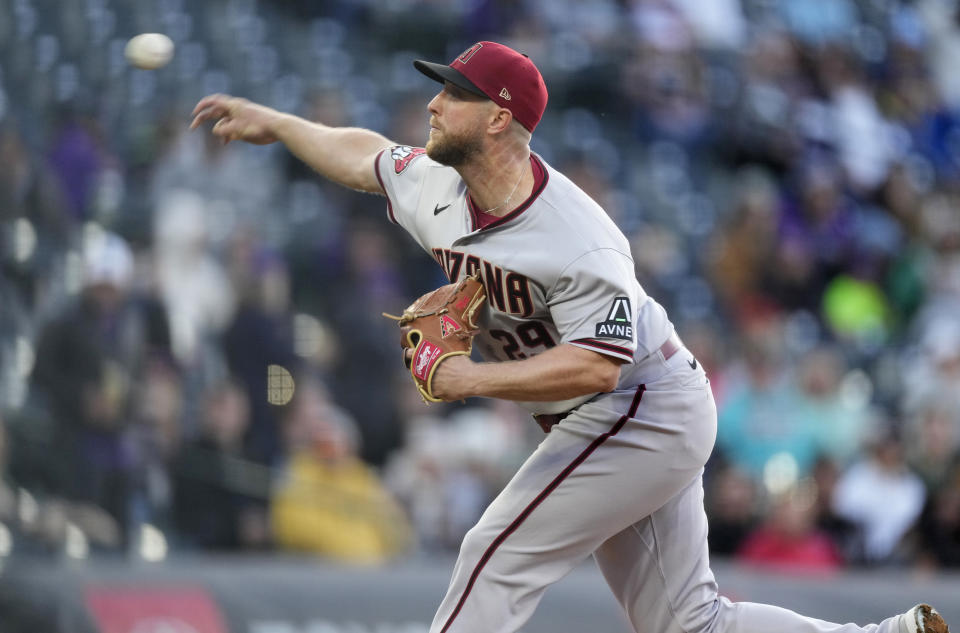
(619, 479)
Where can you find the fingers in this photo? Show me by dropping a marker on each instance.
(222, 128)
(207, 114)
(214, 106)
(210, 101)
(212, 112)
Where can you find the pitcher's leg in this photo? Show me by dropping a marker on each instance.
(751, 617)
(529, 537)
(663, 591)
(659, 570)
(591, 477)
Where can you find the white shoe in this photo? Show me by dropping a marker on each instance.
(923, 619)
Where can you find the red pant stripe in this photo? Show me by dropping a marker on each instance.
(510, 529)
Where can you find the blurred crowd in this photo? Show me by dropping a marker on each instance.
(192, 355)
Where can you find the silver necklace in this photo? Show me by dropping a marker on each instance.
(515, 187)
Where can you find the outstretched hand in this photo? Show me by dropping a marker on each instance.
(237, 119)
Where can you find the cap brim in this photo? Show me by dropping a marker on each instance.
(442, 73)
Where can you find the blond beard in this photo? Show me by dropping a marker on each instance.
(453, 150)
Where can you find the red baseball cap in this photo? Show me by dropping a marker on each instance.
(501, 74)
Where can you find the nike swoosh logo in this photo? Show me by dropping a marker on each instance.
(692, 363)
(437, 208)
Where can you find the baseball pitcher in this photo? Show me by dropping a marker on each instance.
(566, 330)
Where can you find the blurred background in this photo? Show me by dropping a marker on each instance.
(193, 365)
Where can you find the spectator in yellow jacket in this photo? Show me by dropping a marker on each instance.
(327, 501)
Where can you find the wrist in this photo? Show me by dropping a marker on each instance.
(455, 379)
(479, 379)
(280, 125)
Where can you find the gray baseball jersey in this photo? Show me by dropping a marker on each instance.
(620, 478)
(584, 293)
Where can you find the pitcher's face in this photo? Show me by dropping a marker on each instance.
(456, 125)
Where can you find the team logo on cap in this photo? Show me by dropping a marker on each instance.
(403, 155)
(470, 52)
(618, 324)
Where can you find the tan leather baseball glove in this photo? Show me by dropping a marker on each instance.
(440, 324)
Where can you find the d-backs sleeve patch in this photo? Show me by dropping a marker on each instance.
(400, 177)
(403, 155)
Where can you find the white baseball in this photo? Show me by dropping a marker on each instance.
(149, 51)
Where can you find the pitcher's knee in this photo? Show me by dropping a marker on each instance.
(475, 542)
(698, 617)
(486, 553)
(717, 615)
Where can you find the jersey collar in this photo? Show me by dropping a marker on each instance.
(538, 186)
